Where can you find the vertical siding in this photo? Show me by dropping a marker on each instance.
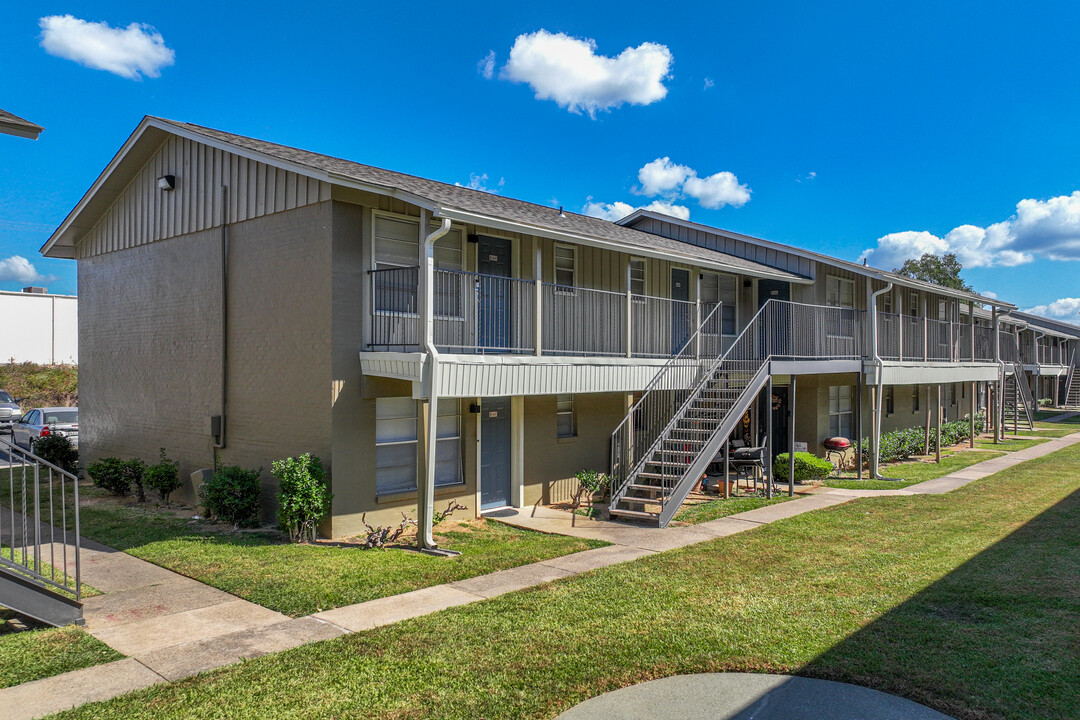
(143, 213)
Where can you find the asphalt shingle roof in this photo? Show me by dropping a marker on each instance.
(485, 203)
(14, 121)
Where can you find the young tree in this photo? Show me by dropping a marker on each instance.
(944, 270)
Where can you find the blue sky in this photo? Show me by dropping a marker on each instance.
(843, 123)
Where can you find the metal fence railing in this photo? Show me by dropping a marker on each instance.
(39, 521)
(1008, 347)
(580, 321)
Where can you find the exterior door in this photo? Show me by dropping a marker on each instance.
(680, 313)
(776, 333)
(493, 293)
(494, 452)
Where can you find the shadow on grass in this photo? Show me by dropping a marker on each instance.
(1002, 626)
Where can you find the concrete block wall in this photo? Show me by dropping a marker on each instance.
(39, 328)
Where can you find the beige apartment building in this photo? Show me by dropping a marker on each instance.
(242, 301)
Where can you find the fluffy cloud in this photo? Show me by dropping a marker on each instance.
(618, 210)
(569, 71)
(18, 269)
(479, 182)
(662, 177)
(671, 180)
(1066, 309)
(132, 52)
(486, 67)
(1048, 228)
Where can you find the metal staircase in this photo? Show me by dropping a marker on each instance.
(685, 415)
(1019, 405)
(39, 538)
(1072, 387)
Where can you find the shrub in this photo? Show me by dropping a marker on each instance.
(232, 495)
(303, 496)
(899, 445)
(590, 484)
(108, 474)
(59, 451)
(163, 477)
(1045, 402)
(133, 470)
(807, 467)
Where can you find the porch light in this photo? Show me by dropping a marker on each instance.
(167, 182)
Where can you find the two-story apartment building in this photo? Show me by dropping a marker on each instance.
(432, 342)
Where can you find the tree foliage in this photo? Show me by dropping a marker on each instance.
(944, 270)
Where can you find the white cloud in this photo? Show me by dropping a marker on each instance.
(618, 210)
(1067, 309)
(486, 67)
(708, 83)
(1046, 228)
(716, 191)
(568, 70)
(662, 177)
(989, 293)
(479, 182)
(132, 52)
(18, 269)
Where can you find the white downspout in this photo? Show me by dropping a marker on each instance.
(426, 509)
(999, 411)
(874, 470)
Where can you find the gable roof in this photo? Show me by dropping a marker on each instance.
(853, 267)
(14, 125)
(1058, 327)
(444, 200)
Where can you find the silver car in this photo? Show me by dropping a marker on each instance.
(9, 411)
(42, 422)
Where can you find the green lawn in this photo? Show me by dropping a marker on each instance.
(1010, 445)
(1054, 430)
(302, 579)
(40, 653)
(967, 602)
(713, 509)
(912, 472)
(1046, 414)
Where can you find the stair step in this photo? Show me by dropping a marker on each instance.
(644, 488)
(658, 476)
(634, 514)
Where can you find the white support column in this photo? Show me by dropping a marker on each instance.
(629, 313)
(900, 322)
(517, 451)
(538, 274)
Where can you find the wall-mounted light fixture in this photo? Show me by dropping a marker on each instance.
(167, 182)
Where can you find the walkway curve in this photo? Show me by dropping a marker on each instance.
(748, 696)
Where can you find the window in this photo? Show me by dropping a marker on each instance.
(916, 392)
(890, 400)
(942, 310)
(914, 300)
(841, 414)
(637, 276)
(886, 303)
(839, 292)
(565, 266)
(950, 395)
(397, 250)
(396, 440)
(715, 288)
(565, 421)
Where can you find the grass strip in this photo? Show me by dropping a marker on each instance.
(966, 602)
(40, 653)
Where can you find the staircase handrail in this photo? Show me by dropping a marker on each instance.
(636, 463)
(32, 562)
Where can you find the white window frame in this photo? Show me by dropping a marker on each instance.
(734, 305)
(414, 440)
(570, 289)
(839, 414)
(638, 296)
(376, 265)
(839, 280)
(563, 401)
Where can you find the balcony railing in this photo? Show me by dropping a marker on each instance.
(909, 338)
(491, 314)
(1050, 355)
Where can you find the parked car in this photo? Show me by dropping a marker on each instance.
(42, 422)
(9, 411)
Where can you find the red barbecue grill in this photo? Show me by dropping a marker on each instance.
(836, 446)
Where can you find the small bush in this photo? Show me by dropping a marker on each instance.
(59, 451)
(108, 474)
(164, 477)
(807, 467)
(900, 445)
(303, 496)
(232, 495)
(590, 484)
(1045, 402)
(134, 469)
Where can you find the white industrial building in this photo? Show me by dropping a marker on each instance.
(39, 327)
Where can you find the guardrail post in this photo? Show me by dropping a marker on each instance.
(629, 322)
(925, 339)
(538, 328)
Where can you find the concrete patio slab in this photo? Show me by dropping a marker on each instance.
(722, 527)
(143, 636)
(62, 692)
(384, 611)
(746, 696)
(791, 508)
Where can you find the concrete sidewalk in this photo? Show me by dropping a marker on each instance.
(172, 627)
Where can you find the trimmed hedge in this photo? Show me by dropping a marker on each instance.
(899, 445)
(807, 467)
(232, 495)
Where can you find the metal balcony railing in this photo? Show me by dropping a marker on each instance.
(491, 314)
(909, 338)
